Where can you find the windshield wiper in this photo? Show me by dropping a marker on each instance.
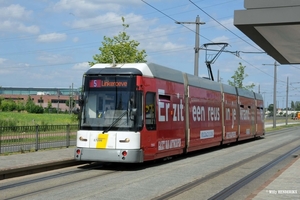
(115, 121)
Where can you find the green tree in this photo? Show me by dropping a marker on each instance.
(70, 103)
(49, 108)
(270, 109)
(297, 105)
(20, 106)
(119, 49)
(49, 105)
(1, 99)
(292, 105)
(238, 78)
(31, 107)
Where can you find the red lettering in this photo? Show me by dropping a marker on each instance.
(99, 83)
(114, 84)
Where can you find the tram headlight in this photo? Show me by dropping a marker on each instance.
(125, 141)
(82, 139)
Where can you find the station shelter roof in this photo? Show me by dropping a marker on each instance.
(274, 25)
(38, 91)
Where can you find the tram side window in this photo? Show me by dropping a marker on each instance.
(261, 111)
(150, 111)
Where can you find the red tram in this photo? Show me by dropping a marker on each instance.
(139, 112)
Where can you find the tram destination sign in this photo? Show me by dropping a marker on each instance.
(108, 83)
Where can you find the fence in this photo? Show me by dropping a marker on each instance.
(34, 138)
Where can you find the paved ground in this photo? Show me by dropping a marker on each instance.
(13, 165)
(285, 185)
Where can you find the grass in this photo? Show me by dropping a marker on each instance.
(281, 127)
(29, 119)
(281, 120)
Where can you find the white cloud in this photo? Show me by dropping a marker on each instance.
(54, 59)
(52, 37)
(3, 67)
(14, 11)
(81, 66)
(170, 45)
(2, 60)
(109, 19)
(83, 9)
(28, 29)
(111, 24)
(221, 39)
(10, 67)
(12, 19)
(155, 39)
(75, 39)
(228, 23)
(15, 26)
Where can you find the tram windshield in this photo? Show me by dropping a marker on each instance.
(110, 103)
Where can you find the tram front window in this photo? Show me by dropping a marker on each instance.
(108, 104)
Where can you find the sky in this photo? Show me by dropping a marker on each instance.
(48, 43)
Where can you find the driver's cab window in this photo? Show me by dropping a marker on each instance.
(91, 108)
(105, 105)
(100, 106)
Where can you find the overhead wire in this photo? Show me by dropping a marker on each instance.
(222, 25)
(81, 27)
(67, 30)
(207, 38)
(174, 19)
(182, 24)
(237, 37)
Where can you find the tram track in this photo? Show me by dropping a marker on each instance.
(83, 168)
(11, 173)
(224, 193)
(250, 177)
(100, 170)
(52, 175)
(50, 182)
(282, 131)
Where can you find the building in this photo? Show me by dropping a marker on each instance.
(42, 96)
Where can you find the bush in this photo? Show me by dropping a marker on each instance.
(32, 108)
(20, 106)
(50, 110)
(8, 105)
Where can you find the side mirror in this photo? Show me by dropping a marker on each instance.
(80, 102)
(132, 113)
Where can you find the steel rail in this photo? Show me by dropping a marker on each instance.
(200, 181)
(250, 177)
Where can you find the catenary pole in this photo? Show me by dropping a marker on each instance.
(197, 43)
(287, 101)
(274, 93)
